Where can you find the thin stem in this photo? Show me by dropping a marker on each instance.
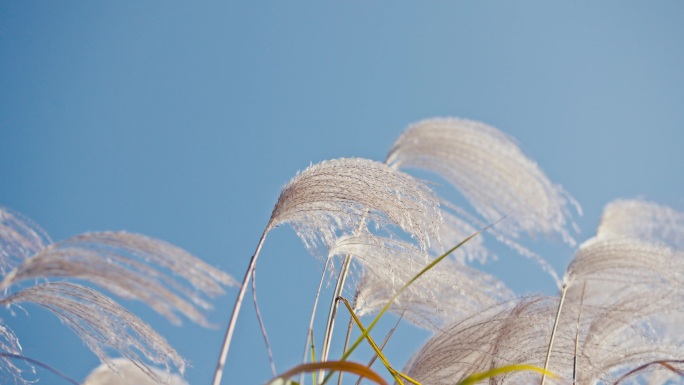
(261, 324)
(553, 333)
(42, 365)
(236, 310)
(579, 314)
(309, 334)
(339, 286)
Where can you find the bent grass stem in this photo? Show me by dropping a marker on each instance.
(218, 374)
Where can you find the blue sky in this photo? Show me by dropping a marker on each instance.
(182, 121)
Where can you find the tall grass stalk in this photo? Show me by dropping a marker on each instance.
(564, 290)
(218, 374)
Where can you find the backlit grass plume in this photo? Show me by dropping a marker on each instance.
(648, 221)
(446, 293)
(131, 266)
(167, 278)
(352, 209)
(490, 170)
(506, 333)
(101, 323)
(335, 197)
(20, 238)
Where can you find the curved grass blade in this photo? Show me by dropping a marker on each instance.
(476, 377)
(334, 366)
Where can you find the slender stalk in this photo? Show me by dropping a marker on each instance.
(309, 334)
(574, 359)
(553, 333)
(218, 374)
(339, 286)
(262, 326)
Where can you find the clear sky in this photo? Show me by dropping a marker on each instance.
(182, 121)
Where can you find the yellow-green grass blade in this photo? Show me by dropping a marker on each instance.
(476, 377)
(372, 343)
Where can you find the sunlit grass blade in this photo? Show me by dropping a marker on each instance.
(334, 366)
(387, 338)
(476, 377)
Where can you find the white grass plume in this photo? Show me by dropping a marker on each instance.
(20, 238)
(613, 338)
(458, 225)
(448, 291)
(125, 372)
(131, 266)
(647, 221)
(165, 277)
(625, 266)
(621, 336)
(630, 282)
(500, 335)
(101, 323)
(334, 197)
(9, 343)
(490, 170)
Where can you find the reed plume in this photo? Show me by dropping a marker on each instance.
(167, 278)
(490, 170)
